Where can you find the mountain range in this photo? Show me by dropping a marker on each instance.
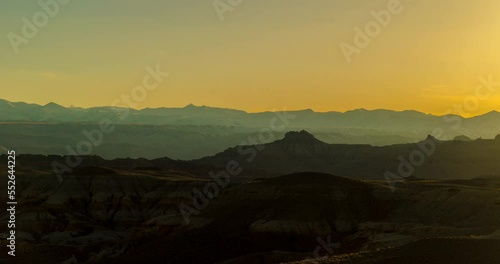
(193, 132)
(205, 115)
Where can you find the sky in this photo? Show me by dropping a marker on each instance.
(262, 55)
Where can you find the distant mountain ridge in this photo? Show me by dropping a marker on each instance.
(382, 120)
(52, 112)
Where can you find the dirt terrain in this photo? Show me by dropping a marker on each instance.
(109, 215)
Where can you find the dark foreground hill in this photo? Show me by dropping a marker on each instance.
(109, 215)
(283, 205)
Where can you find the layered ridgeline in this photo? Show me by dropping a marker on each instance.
(195, 131)
(486, 125)
(300, 152)
(427, 159)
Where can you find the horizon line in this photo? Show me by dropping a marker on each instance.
(254, 112)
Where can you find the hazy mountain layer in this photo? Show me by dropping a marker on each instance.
(385, 120)
(193, 132)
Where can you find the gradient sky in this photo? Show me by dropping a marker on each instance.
(266, 54)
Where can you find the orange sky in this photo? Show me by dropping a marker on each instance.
(264, 55)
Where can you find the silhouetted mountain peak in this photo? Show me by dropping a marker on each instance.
(306, 111)
(298, 143)
(294, 135)
(462, 138)
(55, 107)
(52, 104)
(6, 104)
(190, 106)
(300, 137)
(494, 112)
(430, 137)
(205, 109)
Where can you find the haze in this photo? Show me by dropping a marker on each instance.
(263, 56)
